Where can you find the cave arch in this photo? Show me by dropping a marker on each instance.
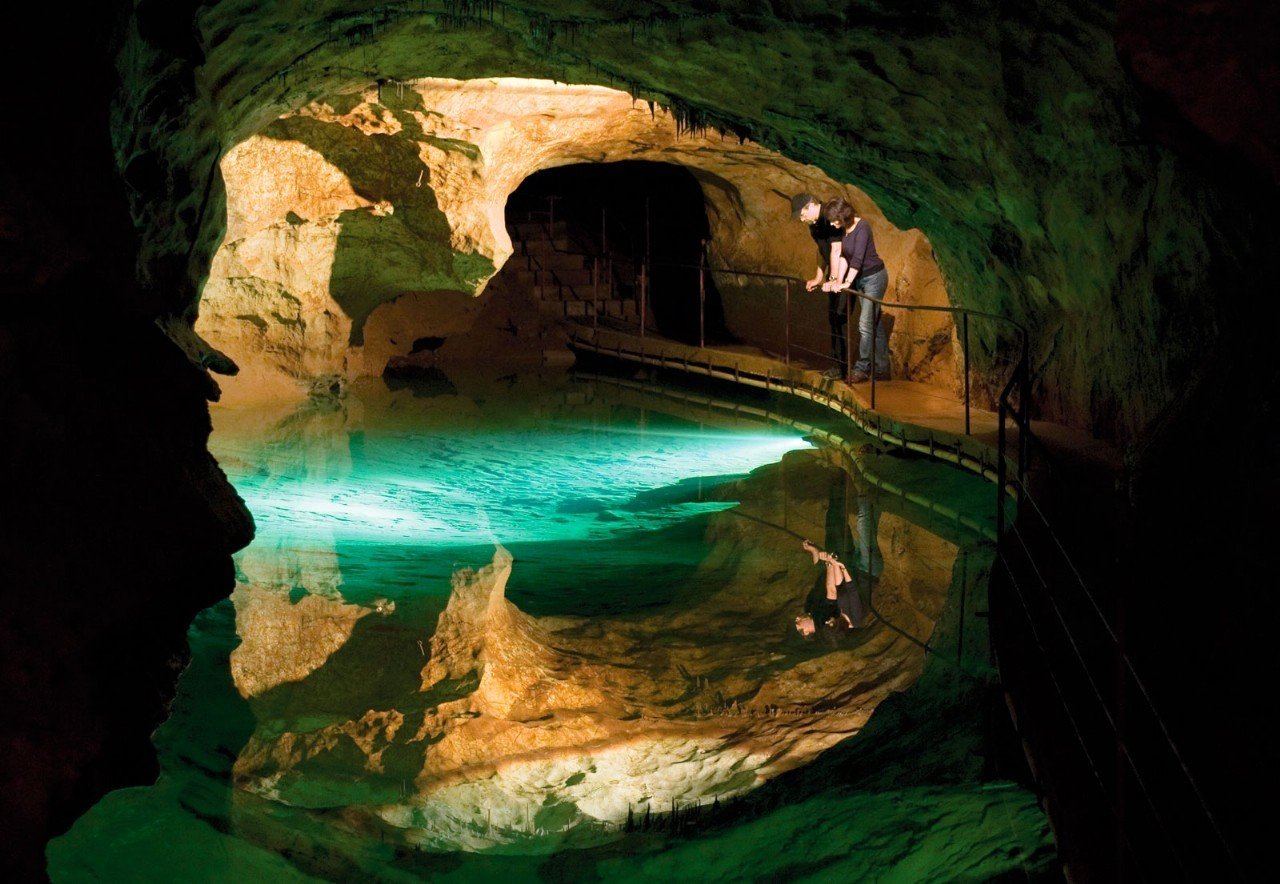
(636, 212)
(1031, 109)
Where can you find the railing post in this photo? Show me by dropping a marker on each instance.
(965, 347)
(595, 293)
(644, 295)
(850, 300)
(702, 297)
(786, 309)
(1000, 467)
(1024, 409)
(875, 330)
(646, 229)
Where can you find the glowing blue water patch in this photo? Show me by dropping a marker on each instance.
(438, 488)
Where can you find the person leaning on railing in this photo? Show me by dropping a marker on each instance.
(808, 208)
(861, 269)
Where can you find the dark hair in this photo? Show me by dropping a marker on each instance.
(828, 632)
(839, 211)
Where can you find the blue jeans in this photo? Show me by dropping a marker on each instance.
(873, 286)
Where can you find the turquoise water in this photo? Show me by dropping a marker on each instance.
(393, 491)
(614, 510)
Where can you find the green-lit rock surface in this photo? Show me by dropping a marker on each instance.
(1010, 136)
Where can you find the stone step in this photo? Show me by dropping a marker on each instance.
(620, 309)
(525, 271)
(625, 310)
(539, 229)
(569, 293)
(541, 246)
(580, 278)
(558, 261)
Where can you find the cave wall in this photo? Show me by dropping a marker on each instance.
(117, 524)
(1009, 135)
(361, 223)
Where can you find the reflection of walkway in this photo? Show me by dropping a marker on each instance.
(708, 409)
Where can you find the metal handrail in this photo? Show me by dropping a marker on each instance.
(1020, 375)
(1014, 402)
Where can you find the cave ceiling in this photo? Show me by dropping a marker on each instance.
(1009, 135)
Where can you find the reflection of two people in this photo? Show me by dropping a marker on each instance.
(841, 595)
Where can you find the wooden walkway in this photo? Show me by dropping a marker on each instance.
(917, 417)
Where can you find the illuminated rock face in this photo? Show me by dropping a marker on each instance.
(362, 223)
(546, 731)
(1029, 177)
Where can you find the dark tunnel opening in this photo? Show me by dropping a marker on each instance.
(624, 212)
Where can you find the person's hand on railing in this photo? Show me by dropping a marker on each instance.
(835, 285)
(811, 284)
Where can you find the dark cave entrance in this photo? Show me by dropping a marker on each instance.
(625, 211)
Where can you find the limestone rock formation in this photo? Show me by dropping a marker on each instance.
(1013, 140)
(361, 223)
(1010, 134)
(282, 640)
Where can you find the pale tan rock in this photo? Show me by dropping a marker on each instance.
(283, 641)
(322, 275)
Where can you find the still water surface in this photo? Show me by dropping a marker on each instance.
(614, 512)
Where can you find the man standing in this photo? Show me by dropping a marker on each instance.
(808, 208)
(859, 267)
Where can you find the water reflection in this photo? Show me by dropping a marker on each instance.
(509, 618)
(459, 719)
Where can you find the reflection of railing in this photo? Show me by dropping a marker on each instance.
(1118, 753)
(960, 527)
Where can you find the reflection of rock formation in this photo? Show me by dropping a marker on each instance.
(290, 614)
(361, 223)
(553, 724)
(282, 640)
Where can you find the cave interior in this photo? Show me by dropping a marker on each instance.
(257, 202)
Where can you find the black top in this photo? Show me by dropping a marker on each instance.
(824, 233)
(850, 602)
(847, 601)
(859, 249)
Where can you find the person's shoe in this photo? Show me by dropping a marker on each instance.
(832, 374)
(859, 377)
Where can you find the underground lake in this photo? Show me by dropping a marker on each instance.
(544, 627)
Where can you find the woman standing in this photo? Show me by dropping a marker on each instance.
(862, 270)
